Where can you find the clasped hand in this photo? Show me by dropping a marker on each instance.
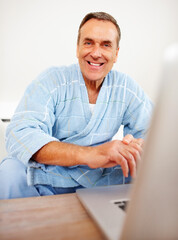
(126, 153)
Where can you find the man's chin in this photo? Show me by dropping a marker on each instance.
(94, 78)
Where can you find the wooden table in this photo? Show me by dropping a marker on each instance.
(49, 217)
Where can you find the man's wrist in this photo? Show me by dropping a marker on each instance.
(84, 155)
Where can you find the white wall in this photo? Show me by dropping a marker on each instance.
(36, 34)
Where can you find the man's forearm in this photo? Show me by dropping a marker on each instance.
(62, 154)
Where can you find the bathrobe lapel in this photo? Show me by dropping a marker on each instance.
(92, 121)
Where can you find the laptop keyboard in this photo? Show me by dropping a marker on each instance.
(121, 204)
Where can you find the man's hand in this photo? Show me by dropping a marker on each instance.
(126, 153)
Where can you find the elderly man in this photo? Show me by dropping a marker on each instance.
(60, 137)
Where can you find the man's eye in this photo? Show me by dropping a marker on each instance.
(87, 43)
(107, 45)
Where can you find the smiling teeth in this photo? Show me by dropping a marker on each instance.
(95, 64)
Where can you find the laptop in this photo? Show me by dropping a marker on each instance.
(147, 208)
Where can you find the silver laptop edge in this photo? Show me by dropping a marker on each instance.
(153, 210)
(100, 204)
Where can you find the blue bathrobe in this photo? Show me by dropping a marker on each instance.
(55, 107)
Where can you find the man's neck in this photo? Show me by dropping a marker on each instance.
(93, 88)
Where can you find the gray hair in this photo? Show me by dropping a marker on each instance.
(100, 16)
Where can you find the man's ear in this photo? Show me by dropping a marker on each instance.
(117, 51)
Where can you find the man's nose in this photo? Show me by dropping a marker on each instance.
(96, 51)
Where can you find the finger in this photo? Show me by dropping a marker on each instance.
(127, 139)
(132, 166)
(131, 163)
(139, 141)
(124, 165)
(136, 151)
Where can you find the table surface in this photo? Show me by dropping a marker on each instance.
(49, 217)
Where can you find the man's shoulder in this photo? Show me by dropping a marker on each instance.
(59, 74)
(120, 78)
(68, 69)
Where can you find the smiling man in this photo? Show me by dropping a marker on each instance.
(97, 50)
(60, 137)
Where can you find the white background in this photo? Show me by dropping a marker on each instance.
(37, 34)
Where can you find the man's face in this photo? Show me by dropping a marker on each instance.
(97, 49)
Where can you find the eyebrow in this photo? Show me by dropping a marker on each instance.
(88, 39)
(91, 40)
(107, 42)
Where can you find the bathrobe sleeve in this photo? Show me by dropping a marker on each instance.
(138, 111)
(31, 125)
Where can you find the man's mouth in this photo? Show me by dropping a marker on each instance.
(95, 64)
